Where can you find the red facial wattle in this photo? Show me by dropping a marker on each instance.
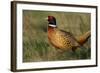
(50, 18)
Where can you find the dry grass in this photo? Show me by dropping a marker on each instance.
(36, 46)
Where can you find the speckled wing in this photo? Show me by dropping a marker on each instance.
(66, 39)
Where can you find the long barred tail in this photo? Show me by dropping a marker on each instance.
(82, 39)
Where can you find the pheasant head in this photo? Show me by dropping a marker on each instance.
(52, 21)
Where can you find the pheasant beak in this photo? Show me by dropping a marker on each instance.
(46, 18)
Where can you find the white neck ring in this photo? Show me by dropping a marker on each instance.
(52, 25)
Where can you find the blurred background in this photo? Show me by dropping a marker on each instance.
(36, 46)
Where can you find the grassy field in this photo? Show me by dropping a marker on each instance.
(36, 46)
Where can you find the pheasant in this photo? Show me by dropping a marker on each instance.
(64, 40)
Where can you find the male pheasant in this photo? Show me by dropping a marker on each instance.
(64, 40)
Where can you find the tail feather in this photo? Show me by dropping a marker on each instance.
(82, 39)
